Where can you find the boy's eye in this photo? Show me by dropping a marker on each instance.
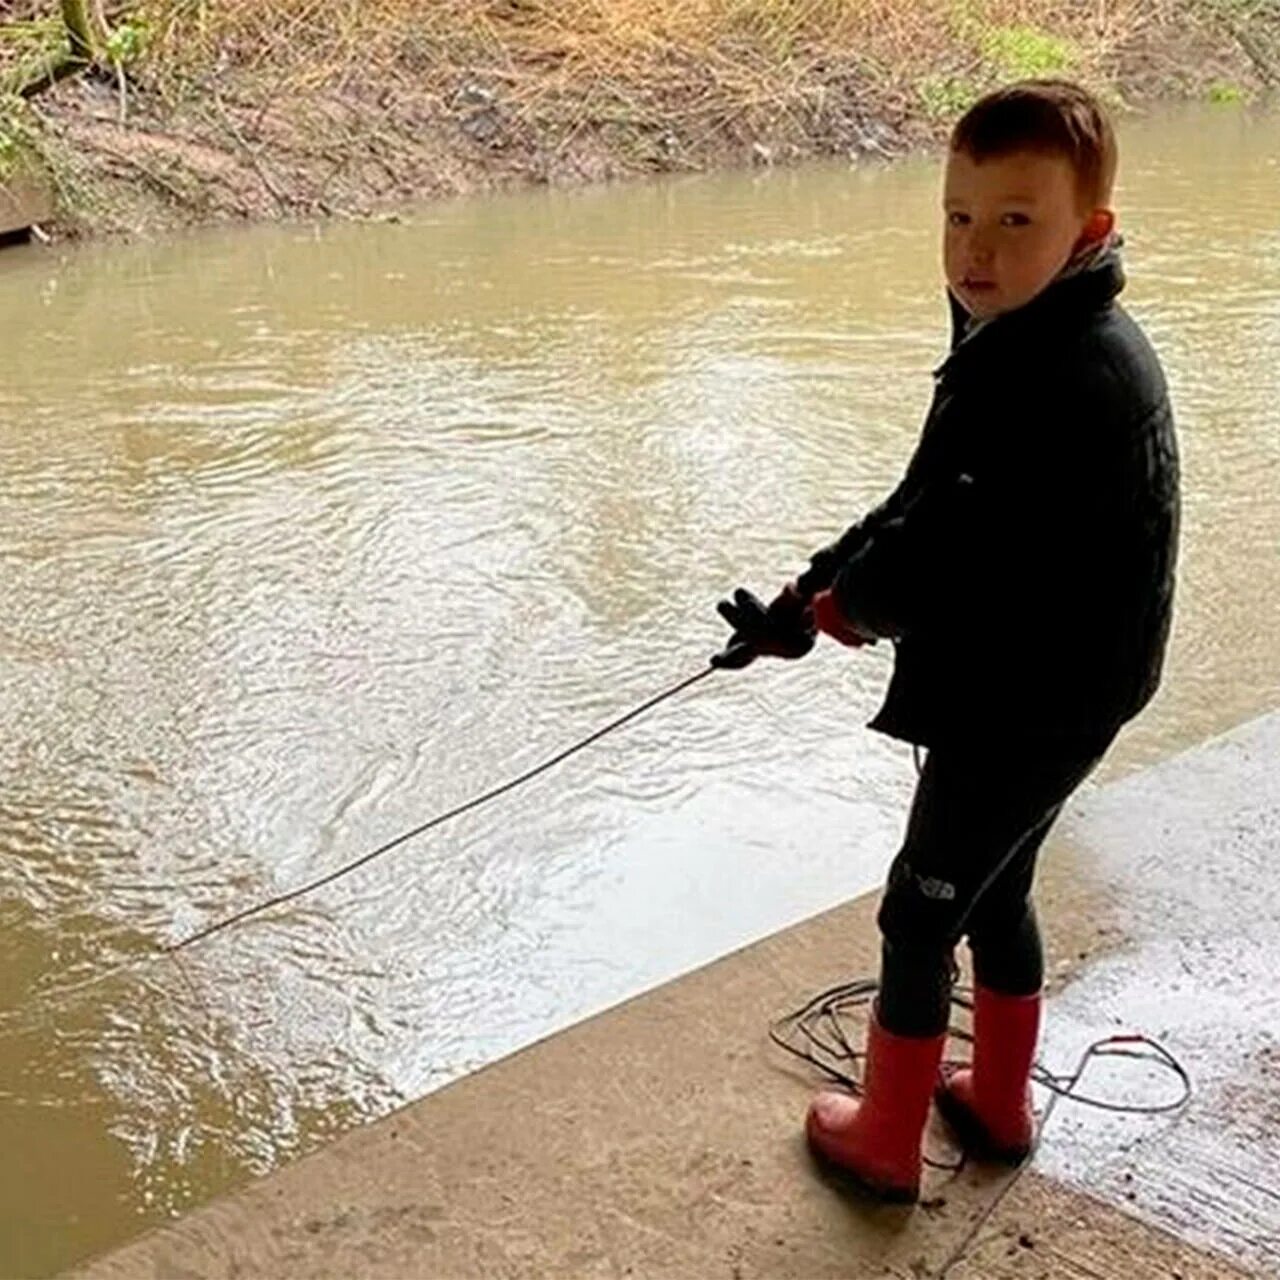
(1014, 220)
(957, 219)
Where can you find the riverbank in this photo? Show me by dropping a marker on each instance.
(185, 119)
(663, 1136)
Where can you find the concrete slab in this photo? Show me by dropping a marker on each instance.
(663, 1136)
(24, 200)
(1187, 858)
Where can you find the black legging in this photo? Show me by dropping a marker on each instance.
(966, 868)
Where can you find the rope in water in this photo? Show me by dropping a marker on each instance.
(62, 994)
(475, 803)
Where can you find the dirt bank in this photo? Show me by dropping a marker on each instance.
(251, 113)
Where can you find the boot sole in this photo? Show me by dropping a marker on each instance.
(852, 1181)
(973, 1134)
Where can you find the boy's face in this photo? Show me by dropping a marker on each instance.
(1011, 224)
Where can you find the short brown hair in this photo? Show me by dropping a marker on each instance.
(1054, 117)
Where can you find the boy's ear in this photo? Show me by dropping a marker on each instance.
(1100, 224)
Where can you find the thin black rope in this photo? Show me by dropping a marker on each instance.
(173, 948)
(825, 1008)
(281, 898)
(1064, 1087)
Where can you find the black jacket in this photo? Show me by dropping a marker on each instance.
(1025, 564)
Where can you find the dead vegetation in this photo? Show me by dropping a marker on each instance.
(334, 106)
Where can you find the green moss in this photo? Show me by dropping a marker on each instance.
(127, 42)
(1022, 53)
(1226, 94)
(942, 97)
(15, 140)
(1018, 52)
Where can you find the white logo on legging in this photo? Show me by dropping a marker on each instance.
(932, 887)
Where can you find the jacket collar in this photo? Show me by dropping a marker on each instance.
(1068, 297)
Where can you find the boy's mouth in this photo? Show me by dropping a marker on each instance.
(977, 286)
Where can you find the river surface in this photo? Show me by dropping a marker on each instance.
(310, 533)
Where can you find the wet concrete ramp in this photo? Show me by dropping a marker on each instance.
(1185, 860)
(663, 1137)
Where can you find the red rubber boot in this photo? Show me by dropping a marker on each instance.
(874, 1141)
(989, 1104)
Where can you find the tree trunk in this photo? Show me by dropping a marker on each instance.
(75, 17)
(46, 69)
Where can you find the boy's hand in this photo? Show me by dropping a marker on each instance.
(783, 629)
(828, 618)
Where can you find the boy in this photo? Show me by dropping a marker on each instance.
(1024, 570)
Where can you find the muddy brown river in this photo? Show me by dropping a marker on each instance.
(309, 533)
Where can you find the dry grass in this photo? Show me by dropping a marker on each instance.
(641, 61)
(754, 54)
(341, 104)
(322, 38)
(694, 69)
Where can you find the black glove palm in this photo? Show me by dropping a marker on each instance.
(783, 629)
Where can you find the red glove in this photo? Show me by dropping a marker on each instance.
(827, 617)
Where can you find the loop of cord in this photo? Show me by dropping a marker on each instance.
(827, 1046)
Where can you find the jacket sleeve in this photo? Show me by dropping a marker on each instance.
(906, 562)
(826, 563)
